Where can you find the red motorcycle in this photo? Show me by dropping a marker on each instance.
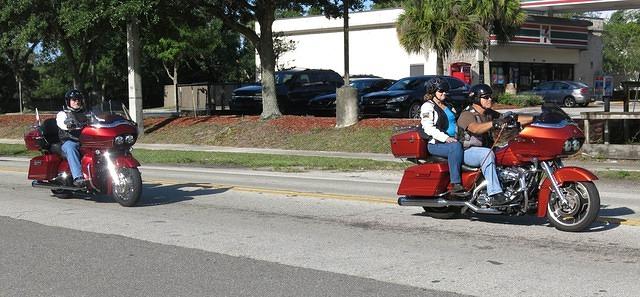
(105, 147)
(529, 167)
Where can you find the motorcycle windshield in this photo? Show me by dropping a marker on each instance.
(553, 114)
(109, 111)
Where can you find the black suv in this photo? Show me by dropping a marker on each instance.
(405, 97)
(294, 89)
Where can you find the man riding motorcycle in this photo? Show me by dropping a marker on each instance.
(475, 122)
(70, 122)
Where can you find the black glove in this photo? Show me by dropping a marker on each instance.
(499, 122)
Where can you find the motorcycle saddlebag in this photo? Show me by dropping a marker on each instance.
(44, 167)
(409, 144)
(426, 180)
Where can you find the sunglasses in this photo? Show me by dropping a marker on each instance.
(486, 97)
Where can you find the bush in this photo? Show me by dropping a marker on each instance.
(522, 100)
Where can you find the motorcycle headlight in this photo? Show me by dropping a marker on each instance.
(575, 145)
(119, 140)
(129, 139)
(398, 99)
(567, 147)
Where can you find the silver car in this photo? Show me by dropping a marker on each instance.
(564, 92)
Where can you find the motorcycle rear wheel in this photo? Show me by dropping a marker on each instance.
(581, 209)
(447, 212)
(128, 192)
(61, 194)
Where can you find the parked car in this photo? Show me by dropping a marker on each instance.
(294, 89)
(326, 104)
(405, 97)
(564, 92)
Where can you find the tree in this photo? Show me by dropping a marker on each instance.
(20, 34)
(387, 4)
(621, 50)
(241, 16)
(502, 18)
(184, 37)
(441, 25)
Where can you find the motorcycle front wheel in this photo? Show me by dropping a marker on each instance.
(128, 189)
(580, 209)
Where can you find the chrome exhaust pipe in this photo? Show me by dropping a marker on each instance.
(481, 210)
(439, 202)
(47, 185)
(429, 202)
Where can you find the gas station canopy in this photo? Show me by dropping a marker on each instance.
(578, 5)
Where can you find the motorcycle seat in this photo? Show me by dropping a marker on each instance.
(469, 168)
(56, 148)
(437, 159)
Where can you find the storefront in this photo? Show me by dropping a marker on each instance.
(544, 49)
(525, 76)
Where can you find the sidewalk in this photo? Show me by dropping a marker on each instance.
(595, 165)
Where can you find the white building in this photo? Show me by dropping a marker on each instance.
(546, 48)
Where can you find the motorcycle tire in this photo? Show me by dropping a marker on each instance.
(581, 210)
(129, 192)
(61, 194)
(443, 213)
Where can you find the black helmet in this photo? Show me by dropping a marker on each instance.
(74, 94)
(478, 91)
(436, 84)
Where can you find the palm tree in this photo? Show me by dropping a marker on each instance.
(441, 25)
(502, 18)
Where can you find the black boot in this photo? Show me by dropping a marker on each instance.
(458, 191)
(499, 199)
(79, 182)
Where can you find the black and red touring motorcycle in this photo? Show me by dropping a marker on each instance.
(106, 159)
(529, 167)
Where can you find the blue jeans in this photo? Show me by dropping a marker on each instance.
(454, 153)
(71, 150)
(473, 156)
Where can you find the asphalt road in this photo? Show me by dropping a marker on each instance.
(246, 233)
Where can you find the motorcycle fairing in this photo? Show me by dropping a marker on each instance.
(562, 175)
(127, 161)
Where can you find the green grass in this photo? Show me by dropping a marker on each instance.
(16, 150)
(616, 174)
(242, 160)
(522, 100)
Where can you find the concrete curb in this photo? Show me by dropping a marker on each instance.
(599, 165)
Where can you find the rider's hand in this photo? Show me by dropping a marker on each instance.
(500, 122)
(450, 140)
(510, 117)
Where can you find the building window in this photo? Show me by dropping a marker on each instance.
(416, 69)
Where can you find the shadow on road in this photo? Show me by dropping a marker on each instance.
(154, 194)
(159, 194)
(612, 212)
(531, 220)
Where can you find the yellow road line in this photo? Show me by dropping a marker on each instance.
(344, 197)
(12, 169)
(627, 222)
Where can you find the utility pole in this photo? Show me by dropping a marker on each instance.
(134, 80)
(346, 96)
